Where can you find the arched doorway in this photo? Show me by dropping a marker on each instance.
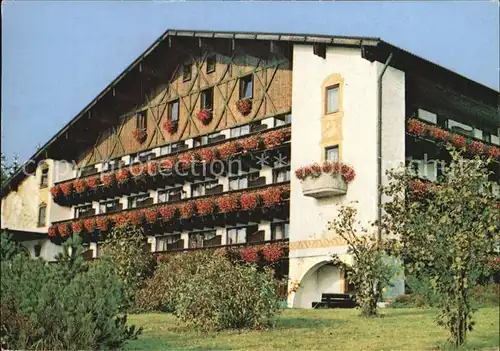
(322, 278)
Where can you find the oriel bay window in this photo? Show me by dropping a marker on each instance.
(206, 188)
(203, 239)
(109, 206)
(169, 242)
(171, 194)
(140, 200)
(240, 235)
(279, 230)
(84, 211)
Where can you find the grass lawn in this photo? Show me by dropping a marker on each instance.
(334, 329)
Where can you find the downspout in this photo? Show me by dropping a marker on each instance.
(379, 146)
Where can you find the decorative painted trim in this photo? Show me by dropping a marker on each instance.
(316, 243)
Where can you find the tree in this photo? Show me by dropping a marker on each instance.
(126, 245)
(447, 231)
(7, 170)
(371, 270)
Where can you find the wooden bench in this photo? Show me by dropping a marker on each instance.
(335, 301)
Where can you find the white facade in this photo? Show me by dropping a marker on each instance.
(311, 244)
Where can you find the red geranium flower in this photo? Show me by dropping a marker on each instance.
(56, 191)
(136, 217)
(186, 159)
(77, 227)
(52, 231)
(272, 253)
(416, 127)
(80, 185)
(316, 170)
(140, 135)
(93, 182)
(152, 168)
(438, 133)
(151, 215)
(458, 140)
(67, 188)
(63, 229)
(274, 138)
(122, 176)
(244, 106)
(249, 201)
(303, 172)
(205, 207)
(272, 196)
(250, 143)
(168, 163)
(494, 152)
(167, 213)
(250, 254)
(186, 210)
(227, 203)
(476, 147)
(102, 223)
(108, 179)
(170, 127)
(228, 149)
(208, 154)
(205, 116)
(348, 173)
(120, 220)
(89, 224)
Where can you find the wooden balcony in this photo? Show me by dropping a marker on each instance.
(325, 185)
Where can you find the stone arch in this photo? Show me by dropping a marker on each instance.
(322, 277)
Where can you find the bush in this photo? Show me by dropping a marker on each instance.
(485, 295)
(409, 301)
(62, 306)
(209, 291)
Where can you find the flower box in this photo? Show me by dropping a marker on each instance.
(324, 185)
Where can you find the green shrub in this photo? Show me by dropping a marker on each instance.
(67, 305)
(485, 295)
(207, 290)
(409, 301)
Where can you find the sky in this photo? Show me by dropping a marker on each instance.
(58, 56)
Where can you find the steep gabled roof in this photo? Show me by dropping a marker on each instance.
(373, 49)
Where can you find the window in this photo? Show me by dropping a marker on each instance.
(207, 98)
(173, 111)
(211, 60)
(242, 181)
(319, 49)
(427, 116)
(281, 174)
(240, 131)
(36, 250)
(332, 99)
(204, 188)
(112, 164)
(42, 214)
(460, 127)
(167, 195)
(239, 235)
(279, 231)
(84, 211)
(138, 200)
(109, 206)
(332, 154)
(164, 243)
(282, 120)
(186, 72)
(141, 121)
(165, 150)
(199, 239)
(44, 179)
(246, 87)
(208, 139)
